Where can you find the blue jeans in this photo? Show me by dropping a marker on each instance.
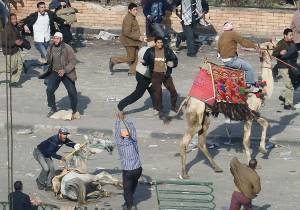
(238, 63)
(42, 48)
(3, 13)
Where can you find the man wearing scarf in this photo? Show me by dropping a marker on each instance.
(227, 48)
(191, 14)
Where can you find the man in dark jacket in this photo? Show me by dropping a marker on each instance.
(44, 153)
(286, 51)
(62, 61)
(41, 24)
(160, 61)
(131, 39)
(11, 42)
(155, 12)
(20, 200)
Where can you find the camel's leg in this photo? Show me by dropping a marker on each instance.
(264, 124)
(202, 144)
(192, 121)
(246, 140)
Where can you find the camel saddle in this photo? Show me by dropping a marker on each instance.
(223, 89)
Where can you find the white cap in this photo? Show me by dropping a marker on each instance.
(58, 34)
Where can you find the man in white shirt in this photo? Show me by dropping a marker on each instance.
(41, 23)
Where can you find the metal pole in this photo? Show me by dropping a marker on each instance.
(9, 131)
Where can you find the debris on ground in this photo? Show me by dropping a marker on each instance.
(24, 131)
(152, 145)
(106, 35)
(112, 99)
(270, 145)
(30, 175)
(286, 155)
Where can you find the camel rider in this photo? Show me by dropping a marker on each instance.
(45, 151)
(227, 48)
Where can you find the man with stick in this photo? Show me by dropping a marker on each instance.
(287, 54)
(126, 141)
(45, 151)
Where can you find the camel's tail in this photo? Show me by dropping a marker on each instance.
(183, 104)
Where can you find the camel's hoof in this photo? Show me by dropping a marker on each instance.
(184, 176)
(263, 150)
(218, 170)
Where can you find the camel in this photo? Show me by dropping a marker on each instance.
(197, 116)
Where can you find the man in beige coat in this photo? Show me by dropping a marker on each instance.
(131, 39)
(247, 184)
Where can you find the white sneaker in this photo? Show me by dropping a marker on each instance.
(42, 60)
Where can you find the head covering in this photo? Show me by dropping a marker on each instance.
(58, 34)
(228, 26)
(64, 130)
(124, 133)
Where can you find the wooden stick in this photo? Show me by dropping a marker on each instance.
(73, 152)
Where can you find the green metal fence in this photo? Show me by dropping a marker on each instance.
(184, 195)
(5, 206)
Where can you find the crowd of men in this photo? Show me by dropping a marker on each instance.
(152, 66)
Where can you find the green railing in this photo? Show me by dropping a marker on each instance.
(5, 206)
(184, 195)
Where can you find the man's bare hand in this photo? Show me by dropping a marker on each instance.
(143, 38)
(283, 52)
(19, 42)
(26, 29)
(61, 73)
(120, 116)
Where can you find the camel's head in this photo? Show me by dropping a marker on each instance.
(266, 51)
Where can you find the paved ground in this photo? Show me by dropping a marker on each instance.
(97, 87)
(279, 174)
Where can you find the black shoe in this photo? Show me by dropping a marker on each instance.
(289, 107)
(39, 185)
(51, 112)
(281, 98)
(174, 109)
(111, 66)
(191, 55)
(15, 85)
(25, 69)
(178, 41)
(48, 188)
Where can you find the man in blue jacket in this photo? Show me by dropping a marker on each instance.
(155, 12)
(45, 151)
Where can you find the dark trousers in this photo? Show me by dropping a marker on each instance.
(189, 33)
(130, 181)
(157, 80)
(53, 83)
(141, 86)
(238, 199)
(66, 31)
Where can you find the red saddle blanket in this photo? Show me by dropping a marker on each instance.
(219, 84)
